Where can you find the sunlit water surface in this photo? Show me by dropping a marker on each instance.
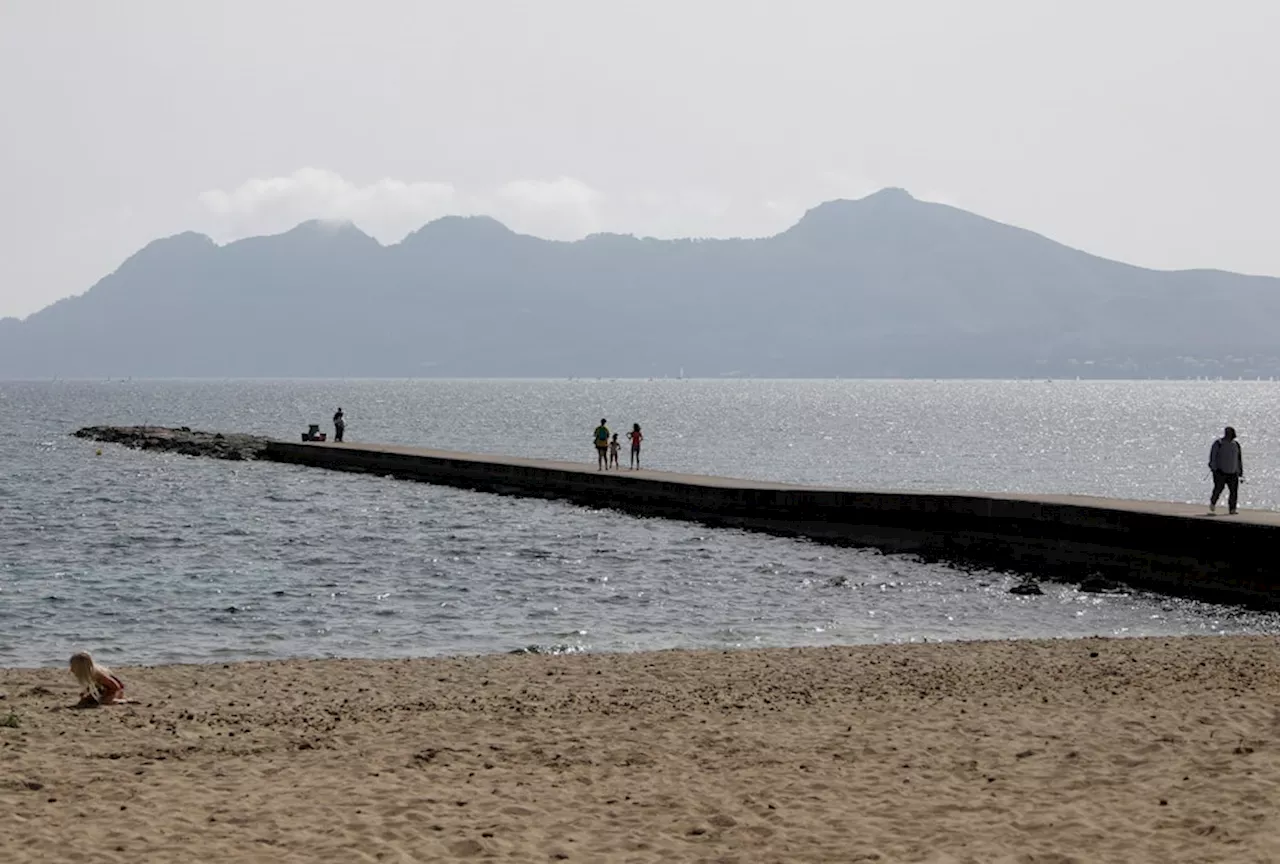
(147, 558)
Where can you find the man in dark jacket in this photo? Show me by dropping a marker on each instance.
(1226, 461)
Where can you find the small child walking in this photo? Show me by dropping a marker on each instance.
(614, 447)
(100, 686)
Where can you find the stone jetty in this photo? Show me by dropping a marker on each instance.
(1167, 547)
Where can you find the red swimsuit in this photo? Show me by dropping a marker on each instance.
(111, 686)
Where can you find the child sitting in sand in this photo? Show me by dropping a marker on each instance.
(100, 686)
(614, 447)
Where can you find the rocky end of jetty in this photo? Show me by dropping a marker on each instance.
(214, 445)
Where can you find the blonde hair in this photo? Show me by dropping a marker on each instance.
(87, 672)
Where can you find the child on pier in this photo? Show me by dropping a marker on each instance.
(100, 686)
(614, 447)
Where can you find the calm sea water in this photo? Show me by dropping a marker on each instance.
(146, 558)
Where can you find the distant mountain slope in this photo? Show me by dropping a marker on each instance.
(883, 286)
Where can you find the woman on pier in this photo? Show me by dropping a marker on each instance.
(601, 439)
(636, 438)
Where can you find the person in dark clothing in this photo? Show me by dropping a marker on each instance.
(1226, 461)
(339, 425)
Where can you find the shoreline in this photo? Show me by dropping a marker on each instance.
(923, 642)
(1122, 748)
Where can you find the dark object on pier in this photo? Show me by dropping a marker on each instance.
(313, 433)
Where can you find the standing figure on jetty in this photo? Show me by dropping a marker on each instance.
(636, 438)
(601, 438)
(614, 447)
(100, 686)
(1226, 461)
(339, 425)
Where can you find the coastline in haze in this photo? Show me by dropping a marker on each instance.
(885, 286)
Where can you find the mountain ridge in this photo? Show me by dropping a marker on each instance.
(886, 285)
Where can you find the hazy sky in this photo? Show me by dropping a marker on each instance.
(1143, 131)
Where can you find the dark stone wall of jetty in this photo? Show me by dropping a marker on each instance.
(215, 445)
(1153, 545)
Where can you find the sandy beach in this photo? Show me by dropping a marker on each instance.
(1161, 750)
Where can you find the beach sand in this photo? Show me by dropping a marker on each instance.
(1134, 750)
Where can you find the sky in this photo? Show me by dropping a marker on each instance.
(1140, 131)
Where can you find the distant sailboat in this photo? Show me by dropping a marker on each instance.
(681, 376)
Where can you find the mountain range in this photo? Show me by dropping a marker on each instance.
(883, 286)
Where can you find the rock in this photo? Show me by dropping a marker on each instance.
(234, 447)
(1099, 585)
(1026, 588)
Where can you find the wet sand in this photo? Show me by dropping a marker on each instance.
(1160, 750)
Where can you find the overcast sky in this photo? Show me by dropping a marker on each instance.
(1142, 131)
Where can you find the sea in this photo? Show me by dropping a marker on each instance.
(146, 558)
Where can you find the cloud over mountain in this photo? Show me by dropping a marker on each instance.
(562, 208)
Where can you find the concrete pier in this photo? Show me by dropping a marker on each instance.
(1172, 548)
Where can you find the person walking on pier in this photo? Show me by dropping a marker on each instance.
(1226, 461)
(602, 445)
(339, 425)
